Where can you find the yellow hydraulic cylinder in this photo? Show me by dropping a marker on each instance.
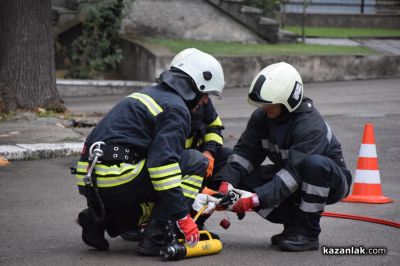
(204, 247)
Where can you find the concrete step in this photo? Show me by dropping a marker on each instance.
(287, 36)
(251, 17)
(251, 10)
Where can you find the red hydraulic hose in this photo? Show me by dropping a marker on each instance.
(361, 218)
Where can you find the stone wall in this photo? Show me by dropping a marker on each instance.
(345, 20)
(183, 19)
(147, 62)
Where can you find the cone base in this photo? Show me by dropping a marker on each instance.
(4, 161)
(368, 199)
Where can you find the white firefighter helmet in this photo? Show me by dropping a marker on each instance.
(182, 54)
(204, 69)
(277, 83)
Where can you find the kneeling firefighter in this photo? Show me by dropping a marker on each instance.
(136, 154)
(307, 172)
(205, 136)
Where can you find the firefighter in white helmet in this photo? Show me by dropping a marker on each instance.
(141, 144)
(205, 136)
(307, 171)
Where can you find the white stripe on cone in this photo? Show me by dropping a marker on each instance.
(368, 150)
(367, 176)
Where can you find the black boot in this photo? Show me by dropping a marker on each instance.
(296, 241)
(92, 233)
(132, 235)
(153, 239)
(275, 239)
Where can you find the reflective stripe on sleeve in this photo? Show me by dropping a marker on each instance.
(216, 123)
(165, 170)
(194, 180)
(213, 137)
(188, 142)
(288, 179)
(246, 164)
(166, 176)
(151, 105)
(329, 133)
(311, 207)
(189, 192)
(168, 183)
(315, 190)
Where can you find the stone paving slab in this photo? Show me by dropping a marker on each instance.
(40, 150)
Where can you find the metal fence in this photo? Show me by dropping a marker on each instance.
(341, 6)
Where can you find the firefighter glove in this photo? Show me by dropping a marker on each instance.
(224, 187)
(245, 202)
(211, 160)
(189, 229)
(205, 200)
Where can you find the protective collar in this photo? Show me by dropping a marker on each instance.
(182, 84)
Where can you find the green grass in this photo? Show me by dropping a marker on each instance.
(344, 32)
(231, 48)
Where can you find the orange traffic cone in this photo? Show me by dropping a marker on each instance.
(367, 182)
(3, 161)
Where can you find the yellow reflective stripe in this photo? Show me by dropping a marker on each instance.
(172, 183)
(79, 180)
(189, 195)
(189, 142)
(200, 178)
(189, 188)
(82, 165)
(216, 123)
(193, 180)
(213, 137)
(105, 182)
(147, 207)
(79, 177)
(104, 170)
(165, 170)
(189, 191)
(151, 105)
(164, 181)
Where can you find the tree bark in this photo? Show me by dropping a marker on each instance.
(27, 68)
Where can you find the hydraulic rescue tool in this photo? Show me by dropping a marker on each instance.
(207, 245)
(177, 250)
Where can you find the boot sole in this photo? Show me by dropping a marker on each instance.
(149, 251)
(285, 246)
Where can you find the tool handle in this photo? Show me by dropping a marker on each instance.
(200, 212)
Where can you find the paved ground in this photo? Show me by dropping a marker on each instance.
(39, 201)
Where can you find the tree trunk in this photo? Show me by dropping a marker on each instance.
(27, 68)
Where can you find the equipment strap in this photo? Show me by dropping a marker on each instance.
(115, 153)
